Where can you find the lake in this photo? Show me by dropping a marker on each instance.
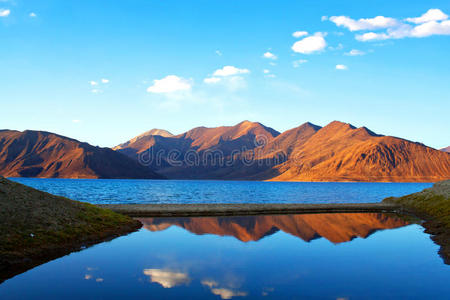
(316, 256)
(105, 191)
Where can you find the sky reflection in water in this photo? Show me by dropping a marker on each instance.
(327, 256)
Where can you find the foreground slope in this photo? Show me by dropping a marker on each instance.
(44, 154)
(433, 205)
(37, 226)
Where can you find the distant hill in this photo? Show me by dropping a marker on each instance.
(44, 154)
(447, 149)
(143, 137)
(252, 151)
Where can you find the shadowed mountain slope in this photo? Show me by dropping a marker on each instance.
(43, 154)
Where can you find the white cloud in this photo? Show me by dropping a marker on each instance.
(218, 52)
(299, 34)
(406, 30)
(270, 55)
(433, 14)
(364, 24)
(167, 279)
(4, 12)
(310, 44)
(432, 22)
(76, 121)
(341, 67)
(324, 18)
(96, 91)
(93, 83)
(298, 63)
(32, 15)
(104, 80)
(169, 84)
(265, 71)
(211, 80)
(229, 71)
(355, 52)
(431, 28)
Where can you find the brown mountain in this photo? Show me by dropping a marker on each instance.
(43, 154)
(336, 228)
(140, 139)
(341, 152)
(446, 149)
(251, 151)
(201, 152)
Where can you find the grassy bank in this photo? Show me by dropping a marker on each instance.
(432, 205)
(36, 226)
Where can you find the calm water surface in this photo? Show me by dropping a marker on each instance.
(201, 191)
(322, 256)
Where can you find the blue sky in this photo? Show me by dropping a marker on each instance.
(103, 72)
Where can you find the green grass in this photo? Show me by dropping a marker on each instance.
(433, 202)
(33, 222)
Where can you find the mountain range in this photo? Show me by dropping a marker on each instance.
(43, 154)
(245, 151)
(252, 151)
(337, 228)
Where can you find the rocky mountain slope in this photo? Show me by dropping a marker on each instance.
(251, 151)
(43, 154)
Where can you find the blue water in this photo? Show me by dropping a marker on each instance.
(196, 191)
(170, 262)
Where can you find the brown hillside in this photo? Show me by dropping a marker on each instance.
(336, 152)
(43, 154)
(341, 152)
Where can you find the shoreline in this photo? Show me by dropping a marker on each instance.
(245, 209)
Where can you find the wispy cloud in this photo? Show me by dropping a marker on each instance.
(341, 67)
(355, 52)
(363, 24)
(432, 22)
(297, 63)
(299, 34)
(229, 71)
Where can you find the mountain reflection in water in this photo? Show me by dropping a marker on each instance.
(335, 227)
